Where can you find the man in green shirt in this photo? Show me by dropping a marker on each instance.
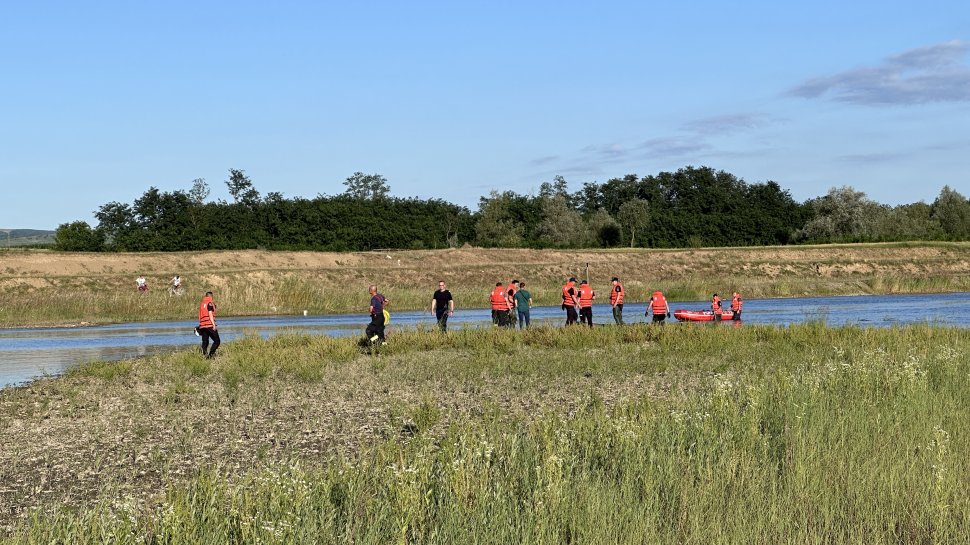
(523, 300)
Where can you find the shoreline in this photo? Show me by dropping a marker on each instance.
(77, 290)
(83, 324)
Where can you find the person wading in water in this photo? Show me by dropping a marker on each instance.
(375, 329)
(442, 305)
(207, 326)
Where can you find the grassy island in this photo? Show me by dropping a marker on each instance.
(640, 434)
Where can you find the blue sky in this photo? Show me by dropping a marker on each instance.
(451, 100)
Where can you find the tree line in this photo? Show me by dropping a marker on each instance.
(692, 207)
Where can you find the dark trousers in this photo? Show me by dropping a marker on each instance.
(659, 318)
(376, 326)
(209, 333)
(586, 315)
(442, 320)
(570, 314)
(503, 318)
(618, 314)
(737, 316)
(523, 318)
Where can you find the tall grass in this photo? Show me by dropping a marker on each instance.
(804, 434)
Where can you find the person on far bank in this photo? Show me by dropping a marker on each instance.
(141, 284)
(736, 304)
(616, 301)
(499, 300)
(208, 329)
(716, 307)
(586, 296)
(375, 329)
(659, 307)
(442, 306)
(523, 301)
(570, 301)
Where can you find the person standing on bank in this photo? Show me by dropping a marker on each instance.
(616, 301)
(207, 326)
(586, 296)
(375, 329)
(659, 306)
(442, 306)
(523, 301)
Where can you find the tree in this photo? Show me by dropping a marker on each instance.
(241, 188)
(561, 226)
(366, 186)
(558, 187)
(496, 226)
(199, 192)
(117, 221)
(604, 228)
(634, 215)
(952, 210)
(843, 214)
(78, 237)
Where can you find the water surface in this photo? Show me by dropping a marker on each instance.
(33, 352)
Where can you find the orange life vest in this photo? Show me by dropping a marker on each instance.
(568, 299)
(204, 320)
(616, 294)
(586, 295)
(499, 302)
(510, 293)
(716, 305)
(736, 303)
(658, 303)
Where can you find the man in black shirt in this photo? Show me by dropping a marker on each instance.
(442, 306)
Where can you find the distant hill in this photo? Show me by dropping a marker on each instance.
(22, 237)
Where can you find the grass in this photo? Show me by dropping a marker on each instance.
(641, 434)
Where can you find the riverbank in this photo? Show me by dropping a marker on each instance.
(645, 433)
(42, 288)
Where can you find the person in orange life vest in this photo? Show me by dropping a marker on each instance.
(570, 301)
(736, 304)
(500, 305)
(716, 307)
(586, 296)
(375, 329)
(659, 307)
(510, 294)
(207, 326)
(616, 301)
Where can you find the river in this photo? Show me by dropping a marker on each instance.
(32, 352)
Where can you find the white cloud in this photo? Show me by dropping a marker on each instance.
(928, 74)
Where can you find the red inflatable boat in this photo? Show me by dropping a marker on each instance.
(685, 315)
